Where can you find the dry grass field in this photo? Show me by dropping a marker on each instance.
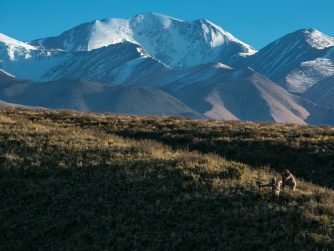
(80, 181)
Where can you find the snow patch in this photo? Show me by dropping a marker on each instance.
(318, 40)
(309, 73)
(110, 31)
(163, 20)
(15, 43)
(222, 66)
(12, 49)
(220, 37)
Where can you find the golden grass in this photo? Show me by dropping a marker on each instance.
(77, 181)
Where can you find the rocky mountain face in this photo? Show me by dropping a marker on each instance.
(122, 63)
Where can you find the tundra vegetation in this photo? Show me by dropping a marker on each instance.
(84, 181)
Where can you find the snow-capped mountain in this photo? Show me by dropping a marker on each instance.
(118, 63)
(155, 64)
(27, 61)
(176, 43)
(122, 63)
(12, 49)
(296, 61)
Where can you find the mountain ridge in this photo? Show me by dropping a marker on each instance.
(297, 60)
(197, 62)
(147, 30)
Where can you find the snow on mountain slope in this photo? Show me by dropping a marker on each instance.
(318, 40)
(182, 44)
(11, 49)
(296, 61)
(109, 31)
(176, 43)
(322, 93)
(117, 63)
(308, 73)
(27, 61)
(11, 41)
(121, 63)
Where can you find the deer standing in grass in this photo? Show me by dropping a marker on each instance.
(289, 180)
(275, 188)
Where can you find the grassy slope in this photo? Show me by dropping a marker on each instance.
(67, 181)
(307, 150)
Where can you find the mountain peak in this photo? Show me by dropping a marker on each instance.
(7, 40)
(157, 15)
(150, 18)
(12, 49)
(297, 60)
(175, 43)
(317, 39)
(13, 42)
(314, 38)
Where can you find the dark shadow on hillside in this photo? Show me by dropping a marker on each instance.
(139, 205)
(311, 162)
(306, 162)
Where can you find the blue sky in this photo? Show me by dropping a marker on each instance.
(256, 22)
